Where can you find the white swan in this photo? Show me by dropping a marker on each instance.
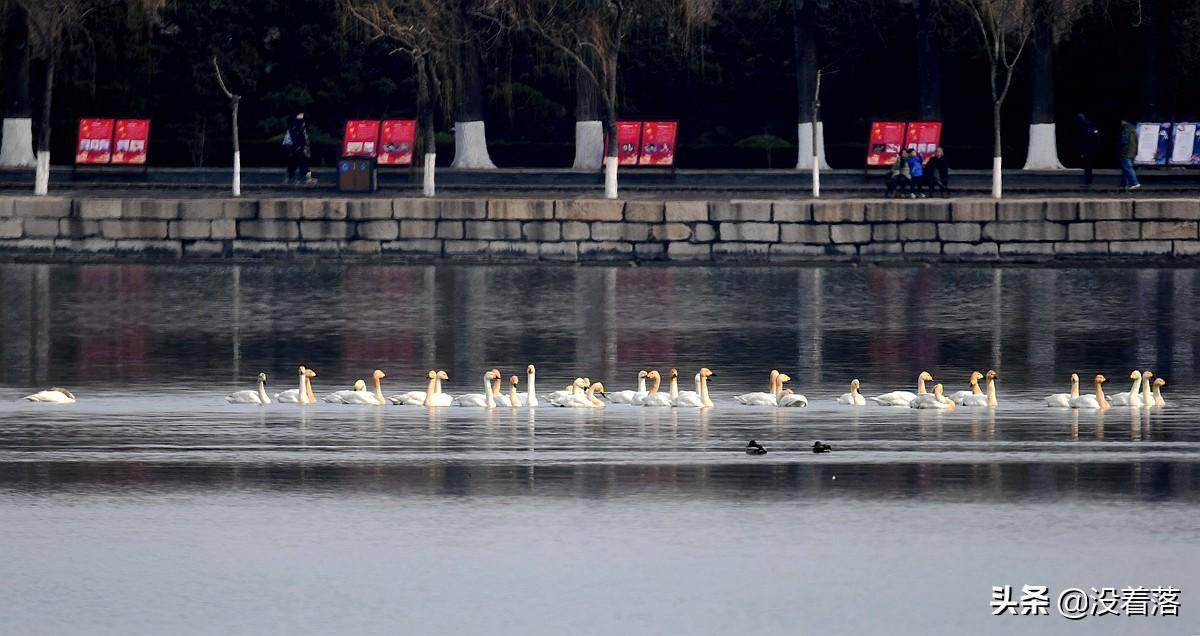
(1092, 400)
(1132, 397)
(903, 398)
(853, 398)
(1063, 400)
(758, 398)
(480, 400)
(627, 397)
(437, 398)
(789, 398)
(583, 399)
(1158, 398)
(988, 400)
(575, 387)
(303, 394)
(933, 400)
(374, 398)
(53, 395)
(339, 397)
(653, 397)
(531, 399)
(251, 397)
(513, 399)
(1147, 394)
(698, 398)
(673, 393)
(973, 383)
(414, 398)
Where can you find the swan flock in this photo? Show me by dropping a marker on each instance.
(1145, 392)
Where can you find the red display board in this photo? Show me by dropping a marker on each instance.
(924, 137)
(887, 138)
(130, 141)
(361, 138)
(658, 143)
(629, 142)
(95, 141)
(396, 139)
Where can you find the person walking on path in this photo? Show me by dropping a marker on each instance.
(900, 176)
(937, 172)
(1089, 144)
(1129, 144)
(295, 143)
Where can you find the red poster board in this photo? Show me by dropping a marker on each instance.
(629, 141)
(130, 141)
(95, 141)
(658, 143)
(887, 137)
(396, 139)
(924, 136)
(360, 139)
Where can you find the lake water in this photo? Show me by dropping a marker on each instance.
(151, 506)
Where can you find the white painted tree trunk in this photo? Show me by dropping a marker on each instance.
(470, 146)
(237, 174)
(41, 180)
(1043, 148)
(16, 149)
(428, 187)
(816, 177)
(589, 145)
(610, 177)
(997, 184)
(805, 138)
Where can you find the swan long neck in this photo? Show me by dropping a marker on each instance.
(853, 390)
(302, 396)
(531, 398)
(776, 387)
(1158, 398)
(991, 392)
(704, 392)
(1147, 395)
(657, 384)
(487, 392)
(1100, 395)
(431, 391)
(641, 385)
(312, 398)
(591, 396)
(975, 386)
(512, 395)
(921, 385)
(1074, 388)
(379, 392)
(262, 392)
(437, 385)
(1133, 392)
(496, 386)
(674, 388)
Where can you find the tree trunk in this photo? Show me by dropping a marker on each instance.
(41, 181)
(16, 148)
(1152, 110)
(237, 147)
(425, 112)
(997, 160)
(610, 154)
(470, 134)
(929, 62)
(589, 126)
(804, 15)
(1043, 140)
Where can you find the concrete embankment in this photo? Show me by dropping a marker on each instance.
(579, 230)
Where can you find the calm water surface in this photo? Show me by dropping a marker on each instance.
(151, 506)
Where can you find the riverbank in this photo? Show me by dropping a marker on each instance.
(1058, 230)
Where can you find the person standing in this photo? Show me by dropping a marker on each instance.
(295, 143)
(937, 172)
(916, 172)
(1089, 144)
(1129, 146)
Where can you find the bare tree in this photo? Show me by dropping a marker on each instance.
(592, 34)
(423, 31)
(1004, 27)
(17, 148)
(234, 100)
(1051, 19)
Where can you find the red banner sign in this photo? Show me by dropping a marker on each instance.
(396, 140)
(95, 141)
(629, 142)
(924, 137)
(658, 143)
(130, 140)
(360, 139)
(887, 137)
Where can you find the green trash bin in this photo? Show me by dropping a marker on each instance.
(357, 174)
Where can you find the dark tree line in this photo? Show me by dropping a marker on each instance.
(735, 70)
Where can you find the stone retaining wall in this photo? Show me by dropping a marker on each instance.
(600, 230)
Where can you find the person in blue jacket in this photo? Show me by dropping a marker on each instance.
(916, 171)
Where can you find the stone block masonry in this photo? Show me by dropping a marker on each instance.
(586, 230)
